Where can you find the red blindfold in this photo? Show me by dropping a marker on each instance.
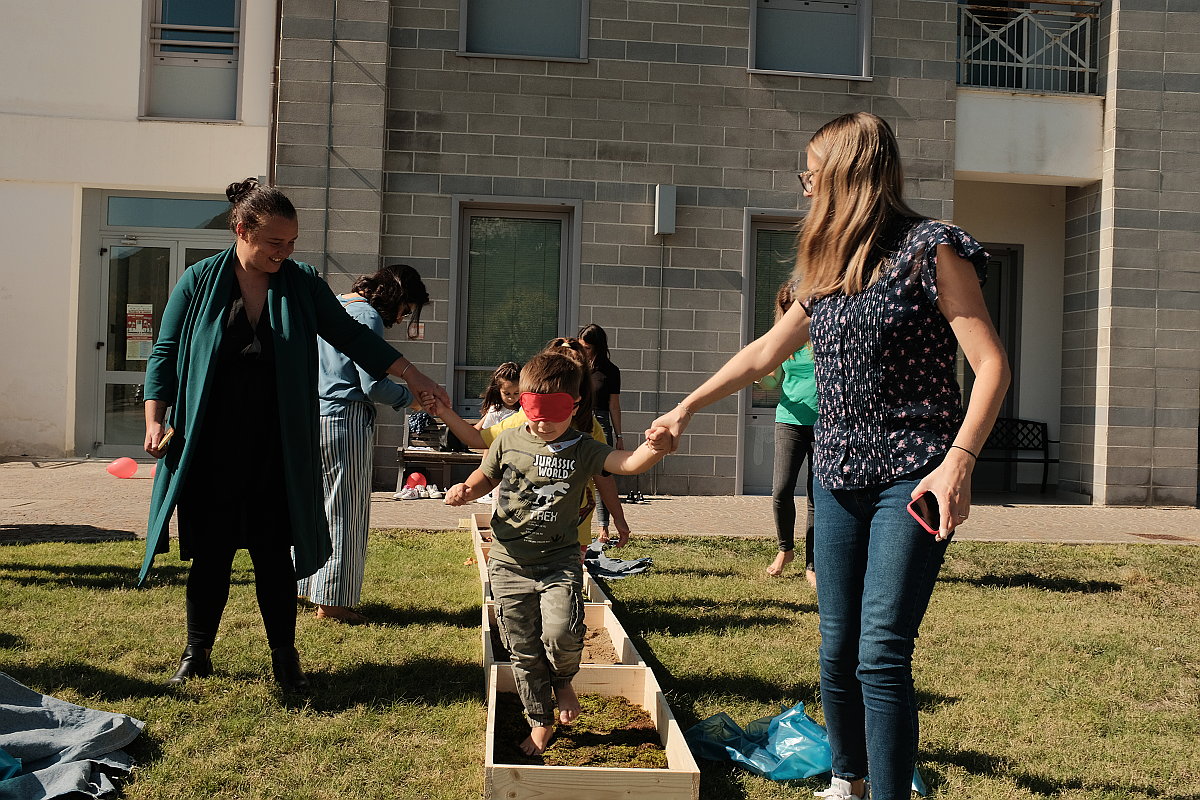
(554, 407)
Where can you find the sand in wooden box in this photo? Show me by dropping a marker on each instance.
(679, 781)
(595, 615)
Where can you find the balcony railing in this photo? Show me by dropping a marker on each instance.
(1032, 46)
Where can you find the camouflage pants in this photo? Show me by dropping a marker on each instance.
(540, 610)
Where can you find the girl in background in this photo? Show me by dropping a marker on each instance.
(606, 391)
(794, 419)
(502, 398)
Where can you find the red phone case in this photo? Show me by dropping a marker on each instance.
(919, 508)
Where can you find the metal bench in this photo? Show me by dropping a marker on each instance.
(1011, 436)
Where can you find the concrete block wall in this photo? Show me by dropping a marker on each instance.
(329, 152)
(1081, 286)
(664, 97)
(1146, 292)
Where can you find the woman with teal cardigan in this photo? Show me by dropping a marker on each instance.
(236, 362)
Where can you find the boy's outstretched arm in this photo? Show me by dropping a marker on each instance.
(476, 486)
(633, 462)
(466, 433)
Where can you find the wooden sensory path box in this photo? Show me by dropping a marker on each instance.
(679, 781)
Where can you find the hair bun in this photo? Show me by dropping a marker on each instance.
(237, 191)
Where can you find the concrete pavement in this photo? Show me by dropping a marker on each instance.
(78, 499)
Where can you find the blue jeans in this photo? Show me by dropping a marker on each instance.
(877, 569)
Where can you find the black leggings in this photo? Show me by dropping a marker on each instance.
(274, 583)
(793, 444)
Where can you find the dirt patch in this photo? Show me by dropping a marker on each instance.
(610, 732)
(598, 647)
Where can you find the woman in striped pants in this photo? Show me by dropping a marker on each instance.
(348, 396)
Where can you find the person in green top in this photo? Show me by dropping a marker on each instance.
(794, 419)
(235, 360)
(542, 469)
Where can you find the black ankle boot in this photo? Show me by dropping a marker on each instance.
(195, 663)
(285, 664)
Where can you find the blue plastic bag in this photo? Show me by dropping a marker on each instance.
(10, 766)
(789, 746)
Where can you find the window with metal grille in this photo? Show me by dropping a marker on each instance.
(193, 57)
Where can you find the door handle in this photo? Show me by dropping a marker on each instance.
(99, 345)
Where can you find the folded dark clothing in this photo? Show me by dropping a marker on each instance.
(601, 566)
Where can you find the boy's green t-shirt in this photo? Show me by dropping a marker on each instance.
(541, 486)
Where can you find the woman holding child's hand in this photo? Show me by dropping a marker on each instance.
(887, 297)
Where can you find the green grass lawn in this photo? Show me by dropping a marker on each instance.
(1042, 670)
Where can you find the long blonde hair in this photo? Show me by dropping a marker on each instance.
(857, 192)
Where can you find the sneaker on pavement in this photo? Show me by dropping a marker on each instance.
(839, 789)
(408, 493)
(435, 493)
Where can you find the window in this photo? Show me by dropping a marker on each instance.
(811, 37)
(774, 259)
(167, 212)
(193, 52)
(516, 291)
(546, 29)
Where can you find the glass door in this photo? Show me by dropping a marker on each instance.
(774, 258)
(136, 279)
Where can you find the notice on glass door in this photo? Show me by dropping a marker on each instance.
(139, 331)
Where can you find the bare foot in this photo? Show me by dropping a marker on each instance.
(784, 558)
(811, 577)
(340, 614)
(537, 741)
(568, 703)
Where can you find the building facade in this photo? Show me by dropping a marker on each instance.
(549, 163)
(122, 123)
(524, 157)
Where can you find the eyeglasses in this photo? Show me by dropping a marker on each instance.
(806, 179)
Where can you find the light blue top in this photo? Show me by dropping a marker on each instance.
(798, 391)
(343, 382)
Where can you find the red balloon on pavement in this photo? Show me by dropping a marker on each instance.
(123, 467)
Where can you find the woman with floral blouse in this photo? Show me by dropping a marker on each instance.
(886, 297)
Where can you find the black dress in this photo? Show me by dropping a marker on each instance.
(234, 493)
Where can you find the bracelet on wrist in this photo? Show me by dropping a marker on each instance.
(965, 450)
(406, 368)
(687, 410)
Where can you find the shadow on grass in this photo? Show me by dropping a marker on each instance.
(423, 680)
(702, 614)
(10, 641)
(992, 766)
(382, 614)
(1027, 580)
(37, 533)
(144, 750)
(97, 576)
(86, 679)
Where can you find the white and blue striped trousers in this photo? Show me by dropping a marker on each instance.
(347, 440)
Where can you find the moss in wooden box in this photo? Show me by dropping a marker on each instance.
(610, 732)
